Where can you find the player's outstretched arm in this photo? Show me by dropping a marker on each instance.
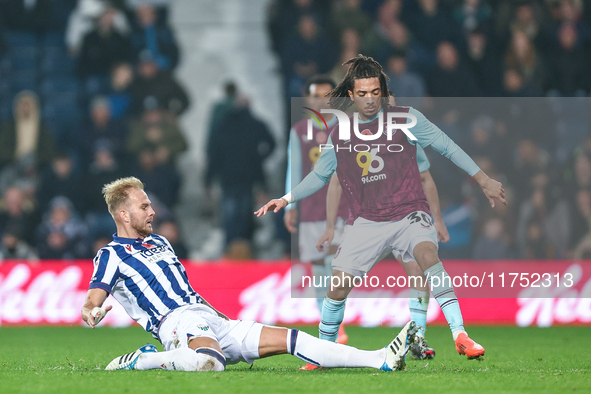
(493, 190)
(333, 199)
(433, 200)
(93, 312)
(274, 205)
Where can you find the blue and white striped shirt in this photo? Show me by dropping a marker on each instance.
(145, 276)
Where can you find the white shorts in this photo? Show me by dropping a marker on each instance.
(366, 242)
(309, 232)
(238, 339)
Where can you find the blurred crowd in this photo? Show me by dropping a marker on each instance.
(87, 95)
(505, 51)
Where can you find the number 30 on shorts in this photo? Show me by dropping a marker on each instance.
(416, 217)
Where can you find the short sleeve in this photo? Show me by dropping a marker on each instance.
(106, 271)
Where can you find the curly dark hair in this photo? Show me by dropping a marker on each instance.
(361, 67)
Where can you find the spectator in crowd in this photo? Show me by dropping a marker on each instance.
(285, 14)
(472, 15)
(60, 179)
(347, 14)
(431, 25)
(514, 85)
(156, 131)
(155, 87)
(235, 156)
(404, 83)
(119, 95)
(18, 213)
(493, 243)
(170, 230)
(222, 107)
(451, 78)
(350, 47)
(103, 129)
(14, 247)
(389, 14)
(483, 61)
(83, 20)
(568, 64)
(25, 144)
(104, 169)
(522, 56)
(530, 160)
(307, 51)
(527, 17)
(160, 178)
(544, 222)
(155, 37)
(103, 48)
(581, 218)
(61, 234)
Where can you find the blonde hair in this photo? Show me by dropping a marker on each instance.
(116, 192)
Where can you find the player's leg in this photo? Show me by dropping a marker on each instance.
(333, 307)
(442, 287)
(339, 232)
(276, 340)
(364, 244)
(418, 303)
(202, 354)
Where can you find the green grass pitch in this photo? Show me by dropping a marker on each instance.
(72, 359)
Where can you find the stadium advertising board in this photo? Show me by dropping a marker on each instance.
(51, 293)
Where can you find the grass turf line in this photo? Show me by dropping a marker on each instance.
(72, 360)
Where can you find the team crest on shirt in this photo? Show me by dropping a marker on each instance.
(321, 137)
(203, 327)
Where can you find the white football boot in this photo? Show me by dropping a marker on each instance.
(397, 349)
(128, 361)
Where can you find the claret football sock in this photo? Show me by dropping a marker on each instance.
(319, 275)
(418, 303)
(331, 355)
(443, 291)
(331, 318)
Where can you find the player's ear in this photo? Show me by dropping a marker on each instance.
(350, 94)
(124, 216)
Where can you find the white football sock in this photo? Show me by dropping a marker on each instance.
(183, 359)
(331, 355)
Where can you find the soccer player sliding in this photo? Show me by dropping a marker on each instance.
(142, 272)
(387, 199)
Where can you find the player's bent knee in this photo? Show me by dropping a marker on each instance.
(209, 359)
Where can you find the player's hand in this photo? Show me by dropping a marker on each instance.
(442, 233)
(291, 220)
(94, 320)
(327, 237)
(275, 205)
(494, 190)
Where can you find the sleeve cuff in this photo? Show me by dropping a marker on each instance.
(99, 285)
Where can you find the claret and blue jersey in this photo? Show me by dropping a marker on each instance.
(145, 276)
(382, 184)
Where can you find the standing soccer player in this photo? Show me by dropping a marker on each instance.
(142, 272)
(302, 154)
(418, 301)
(390, 205)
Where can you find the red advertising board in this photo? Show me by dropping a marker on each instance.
(50, 293)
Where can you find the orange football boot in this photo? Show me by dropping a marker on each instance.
(464, 345)
(311, 367)
(342, 337)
